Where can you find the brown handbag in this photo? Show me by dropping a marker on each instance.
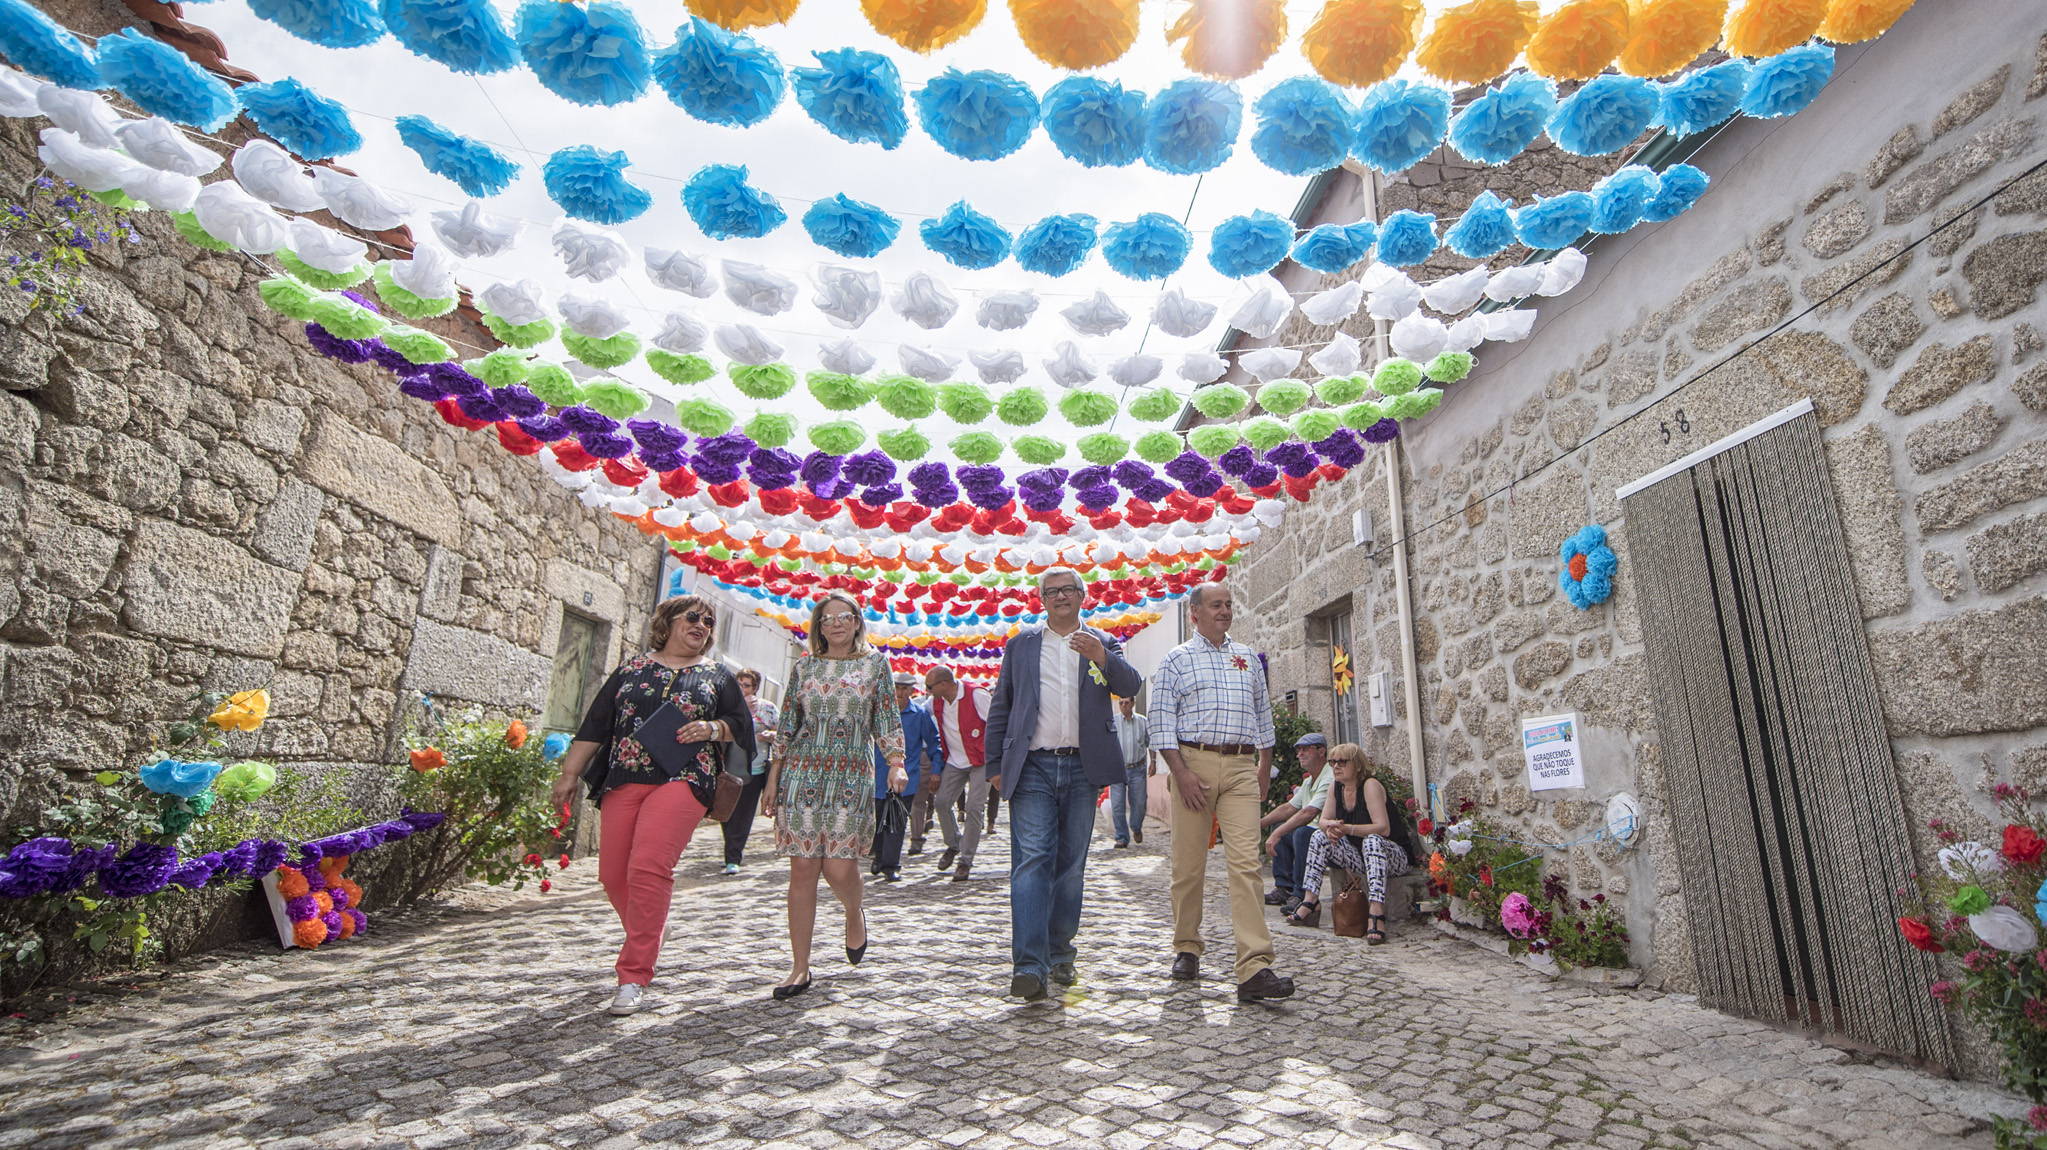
(731, 784)
(1347, 911)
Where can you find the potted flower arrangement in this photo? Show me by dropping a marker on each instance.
(1493, 882)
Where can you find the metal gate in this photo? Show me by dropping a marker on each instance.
(1782, 792)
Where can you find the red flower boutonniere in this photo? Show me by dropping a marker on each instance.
(1238, 662)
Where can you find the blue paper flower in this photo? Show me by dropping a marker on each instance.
(1192, 126)
(1406, 238)
(1589, 566)
(555, 745)
(328, 23)
(1096, 123)
(977, 115)
(1150, 247)
(1250, 245)
(1305, 126)
(587, 54)
(849, 227)
(854, 95)
(480, 169)
(1399, 122)
(302, 120)
(1702, 98)
(466, 36)
(1618, 200)
(1681, 188)
(1332, 248)
(1485, 229)
(185, 780)
(590, 185)
(39, 47)
(1056, 245)
(2040, 903)
(719, 77)
(164, 81)
(1788, 81)
(965, 237)
(1555, 221)
(1605, 115)
(1501, 124)
(726, 207)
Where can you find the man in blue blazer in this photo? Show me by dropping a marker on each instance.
(891, 810)
(1051, 744)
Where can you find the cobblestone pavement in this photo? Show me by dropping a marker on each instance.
(483, 1025)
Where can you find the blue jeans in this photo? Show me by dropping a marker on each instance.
(1290, 860)
(1051, 820)
(1129, 796)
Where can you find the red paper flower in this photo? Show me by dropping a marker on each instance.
(565, 862)
(546, 885)
(2022, 845)
(1426, 826)
(1919, 935)
(532, 860)
(1485, 875)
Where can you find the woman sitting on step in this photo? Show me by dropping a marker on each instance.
(1362, 832)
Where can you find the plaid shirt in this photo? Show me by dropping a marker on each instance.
(1204, 693)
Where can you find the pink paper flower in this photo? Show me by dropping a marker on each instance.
(1517, 915)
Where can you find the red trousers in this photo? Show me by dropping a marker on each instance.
(642, 832)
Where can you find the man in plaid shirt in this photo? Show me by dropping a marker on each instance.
(1211, 720)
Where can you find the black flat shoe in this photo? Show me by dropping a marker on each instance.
(855, 953)
(793, 989)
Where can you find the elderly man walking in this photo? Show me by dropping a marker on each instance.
(962, 731)
(1211, 720)
(1127, 798)
(1052, 744)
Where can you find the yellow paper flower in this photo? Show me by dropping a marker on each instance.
(1665, 35)
(1853, 21)
(924, 25)
(1340, 675)
(1476, 41)
(1578, 40)
(243, 711)
(1361, 42)
(1767, 27)
(1229, 39)
(1076, 34)
(739, 15)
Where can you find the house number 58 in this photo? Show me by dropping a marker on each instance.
(1684, 425)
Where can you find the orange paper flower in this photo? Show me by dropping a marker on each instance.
(1665, 35)
(290, 883)
(739, 15)
(1361, 42)
(1476, 41)
(323, 900)
(1767, 27)
(1437, 867)
(1229, 39)
(924, 25)
(242, 711)
(353, 891)
(1578, 40)
(333, 865)
(1076, 34)
(1853, 21)
(347, 925)
(515, 735)
(428, 759)
(309, 934)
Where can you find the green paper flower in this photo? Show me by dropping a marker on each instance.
(976, 447)
(1213, 439)
(1449, 367)
(614, 351)
(1263, 433)
(1283, 397)
(1155, 405)
(1037, 450)
(116, 198)
(1021, 406)
(1396, 377)
(903, 444)
(288, 297)
(621, 400)
(679, 369)
(404, 302)
(905, 397)
(1969, 900)
(1412, 405)
(1316, 425)
(1086, 407)
(965, 402)
(1342, 389)
(701, 417)
(1359, 416)
(324, 280)
(415, 345)
(188, 227)
(553, 384)
(521, 335)
(842, 437)
(501, 368)
(1103, 448)
(345, 319)
(1220, 400)
(771, 428)
(766, 381)
(1156, 446)
(837, 392)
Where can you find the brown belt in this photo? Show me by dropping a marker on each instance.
(1224, 748)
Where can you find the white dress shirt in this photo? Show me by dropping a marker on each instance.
(1058, 694)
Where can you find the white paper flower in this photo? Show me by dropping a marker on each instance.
(1068, 367)
(1262, 314)
(680, 271)
(741, 342)
(1203, 367)
(94, 169)
(682, 333)
(18, 94)
(1269, 362)
(233, 216)
(1966, 862)
(1459, 847)
(759, 290)
(517, 304)
(924, 301)
(1418, 337)
(1466, 333)
(429, 274)
(325, 248)
(270, 174)
(1098, 315)
(170, 191)
(1510, 326)
(846, 357)
(1453, 294)
(846, 296)
(1340, 357)
(86, 115)
(590, 253)
(1510, 284)
(1004, 366)
(591, 315)
(1335, 305)
(162, 145)
(1006, 310)
(355, 200)
(1180, 317)
(473, 233)
(927, 365)
(1395, 299)
(1562, 272)
(2005, 929)
(1136, 370)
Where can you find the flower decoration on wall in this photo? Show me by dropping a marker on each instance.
(1589, 566)
(1340, 675)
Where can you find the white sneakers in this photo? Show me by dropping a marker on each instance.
(630, 996)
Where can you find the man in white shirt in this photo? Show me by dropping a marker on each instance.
(959, 709)
(1127, 798)
(1295, 821)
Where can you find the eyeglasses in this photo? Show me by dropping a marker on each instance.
(841, 617)
(1059, 592)
(694, 617)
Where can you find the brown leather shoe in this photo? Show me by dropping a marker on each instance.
(1137, 837)
(1265, 984)
(945, 860)
(959, 873)
(1186, 966)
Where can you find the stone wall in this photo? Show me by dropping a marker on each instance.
(1927, 373)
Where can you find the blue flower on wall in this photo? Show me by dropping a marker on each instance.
(1589, 564)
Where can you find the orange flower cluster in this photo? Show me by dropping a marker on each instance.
(428, 759)
(515, 735)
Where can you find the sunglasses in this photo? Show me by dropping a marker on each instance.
(694, 617)
(841, 617)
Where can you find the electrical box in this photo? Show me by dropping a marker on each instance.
(1379, 690)
(1361, 528)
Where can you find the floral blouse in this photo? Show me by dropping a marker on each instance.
(706, 691)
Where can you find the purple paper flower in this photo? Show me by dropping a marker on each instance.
(301, 908)
(392, 360)
(1384, 431)
(774, 459)
(314, 879)
(1343, 449)
(1153, 490)
(714, 472)
(768, 480)
(943, 495)
(362, 300)
(1206, 484)
(483, 407)
(362, 921)
(1294, 458)
(869, 468)
(1130, 474)
(237, 860)
(1237, 460)
(1043, 500)
(832, 488)
(334, 347)
(270, 854)
(333, 920)
(454, 380)
(587, 421)
(143, 870)
(732, 447)
(1187, 465)
(396, 829)
(1093, 475)
(990, 498)
(606, 446)
(423, 387)
(34, 867)
(882, 494)
(663, 460)
(930, 475)
(1043, 479)
(984, 475)
(339, 897)
(819, 467)
(545, 428)
(654, 435)
(517, 402)
(1097, 498)
(197, 872)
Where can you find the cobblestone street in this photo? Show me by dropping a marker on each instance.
(483, 1025)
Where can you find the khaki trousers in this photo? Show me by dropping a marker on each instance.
(1233, 802)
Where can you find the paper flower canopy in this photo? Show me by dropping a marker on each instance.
(1229, 39)
(1076, 34)
(1589, 567)
(739, 15)
(589, 54)
(334, 24)
(34, 43)
(856, 96)
(977, 115)
(1359, 42)
(1095, 123)
(165, 82)
(301, 119)
(1476, 41)
(464, 35)
(1665, 35)
(478, 168)
(719, 77)
(1767, 27)
(924, 26)
(1579, 39)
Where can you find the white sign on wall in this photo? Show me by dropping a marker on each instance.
(1551, 747)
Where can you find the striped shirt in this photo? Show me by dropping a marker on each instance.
(1204, 693)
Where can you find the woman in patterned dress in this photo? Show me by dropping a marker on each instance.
(839, 707)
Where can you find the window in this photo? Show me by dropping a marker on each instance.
(576, 670)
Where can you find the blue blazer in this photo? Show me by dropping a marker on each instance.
(920, 739)
(1013, 709)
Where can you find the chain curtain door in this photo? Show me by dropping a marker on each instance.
(1783, 797)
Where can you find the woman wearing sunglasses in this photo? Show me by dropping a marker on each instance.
(1362, 833)
(839, 709)
(651, 790)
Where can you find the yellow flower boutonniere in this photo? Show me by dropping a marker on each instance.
(1095, 673)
